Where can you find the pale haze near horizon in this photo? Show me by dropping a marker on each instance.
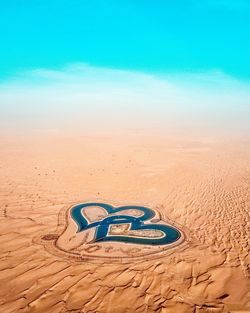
(83, 98)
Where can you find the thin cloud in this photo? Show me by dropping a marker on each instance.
(105, 96)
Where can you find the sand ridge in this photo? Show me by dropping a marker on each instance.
(201, 184)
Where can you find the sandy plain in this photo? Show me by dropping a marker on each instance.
(201, 183)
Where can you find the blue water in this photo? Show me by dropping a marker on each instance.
(171, 234)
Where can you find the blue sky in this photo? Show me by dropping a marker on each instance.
(129, 63)
(151, 36)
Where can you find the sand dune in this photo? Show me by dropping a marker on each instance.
(202, 184)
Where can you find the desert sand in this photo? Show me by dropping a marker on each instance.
(200, 183)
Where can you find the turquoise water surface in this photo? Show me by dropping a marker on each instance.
(170, 233)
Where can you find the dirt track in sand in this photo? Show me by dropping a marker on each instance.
(201, 184)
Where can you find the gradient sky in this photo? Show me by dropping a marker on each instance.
(149, 36)
(130, 63)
